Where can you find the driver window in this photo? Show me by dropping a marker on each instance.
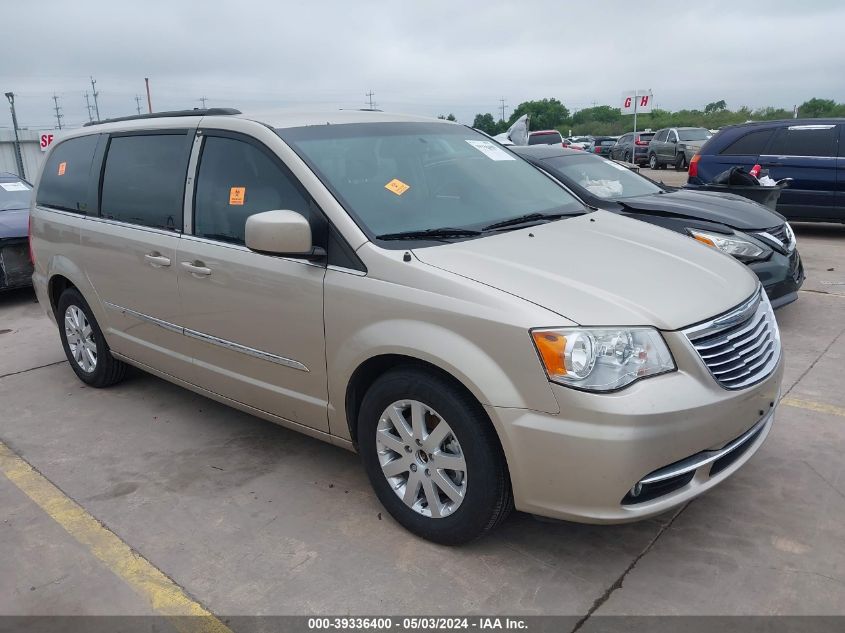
(672, 136)
(236, 180)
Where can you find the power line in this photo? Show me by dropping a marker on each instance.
(203, 100)
(59, 115)
(88, 107)
(370, 96)
(96, 94)
(138, 104)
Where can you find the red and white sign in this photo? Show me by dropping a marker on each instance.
(639, 99)
(46, 139)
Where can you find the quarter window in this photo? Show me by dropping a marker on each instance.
(752, 144)
(64, 181)
(804, 140)
(144, 179)
(236, 180)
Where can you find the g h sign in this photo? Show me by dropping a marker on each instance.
(639, 101)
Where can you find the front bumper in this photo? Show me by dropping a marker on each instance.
(781, 275)
(15, 267)
(582, 463)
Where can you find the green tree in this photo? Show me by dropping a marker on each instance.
(815, 108)
(715, 106)
(485, 123)
(448, 117)
(546, 114)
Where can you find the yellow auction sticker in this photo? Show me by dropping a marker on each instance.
(397, 186)
(237, 195)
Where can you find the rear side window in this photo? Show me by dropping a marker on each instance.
(753, 143)
(804, 140)
(64, 181)
(236, 180)
(144, 179)
(661, 136)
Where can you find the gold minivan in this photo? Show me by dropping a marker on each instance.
(412, 290)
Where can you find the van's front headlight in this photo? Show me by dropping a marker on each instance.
(602, 359)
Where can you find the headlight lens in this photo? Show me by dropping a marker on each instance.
(602, 359)
(730, 244)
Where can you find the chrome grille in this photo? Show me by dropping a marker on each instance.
(780, 235)
(740, 347)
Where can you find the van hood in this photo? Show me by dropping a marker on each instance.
(725, 208)
(603, 269)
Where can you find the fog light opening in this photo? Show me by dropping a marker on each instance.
(636, 490)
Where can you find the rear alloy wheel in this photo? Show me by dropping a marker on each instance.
(627, 157)
(84, 344)
(432, 456)
(653, 162)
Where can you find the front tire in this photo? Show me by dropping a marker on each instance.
(432, 457)
(84, 344)
(681, 162)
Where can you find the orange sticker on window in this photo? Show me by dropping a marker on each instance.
(397, 186)
(237, 195)
(62, 167)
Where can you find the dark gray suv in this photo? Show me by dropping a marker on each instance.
(676, 146)
(632, 144)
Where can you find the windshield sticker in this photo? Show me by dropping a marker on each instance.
(491, 150)
(397, 186)
(62, 168)
(237, 195)
(14, 186)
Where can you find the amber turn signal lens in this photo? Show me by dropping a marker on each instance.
(704, 240)
(551, 347)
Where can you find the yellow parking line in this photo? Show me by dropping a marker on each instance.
(163, 595)
(821, 407)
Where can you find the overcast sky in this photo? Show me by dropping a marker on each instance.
(418, 56)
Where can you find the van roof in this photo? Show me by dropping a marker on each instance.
(273, 118)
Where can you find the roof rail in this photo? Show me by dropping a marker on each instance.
(171, 113)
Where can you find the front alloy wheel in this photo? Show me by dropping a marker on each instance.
(421, 458)
(80, 339)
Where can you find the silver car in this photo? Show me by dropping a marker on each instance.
(412, 290)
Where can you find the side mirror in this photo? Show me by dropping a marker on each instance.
(281, 233)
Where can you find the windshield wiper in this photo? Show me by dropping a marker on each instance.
(522, 219)
(441, 233)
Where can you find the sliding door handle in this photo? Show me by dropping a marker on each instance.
(196, 268)
(156, 259)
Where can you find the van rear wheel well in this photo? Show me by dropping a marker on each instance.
(57, 285)
(371, 369)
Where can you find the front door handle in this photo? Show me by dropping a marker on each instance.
(156, 259)
(196, 268)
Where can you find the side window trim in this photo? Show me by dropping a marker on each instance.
(103, 152)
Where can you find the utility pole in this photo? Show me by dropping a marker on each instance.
(96, 94)
(149, 98)
(18, 158)
(138, 104)
(203, 100)
(59, 115)
(502, 106)
(89, 107)
(370, 96)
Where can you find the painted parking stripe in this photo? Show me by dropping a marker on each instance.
(163, 595)
(821, 407)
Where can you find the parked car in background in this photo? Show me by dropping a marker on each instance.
(755, 235)
(809, 151)
(601, 145)
(15, 199)
(581, 142)
(675, 146)
(410, 289)
(545, 137)
(632, 145)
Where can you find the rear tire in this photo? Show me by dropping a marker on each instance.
(681, 162)
(653, 163)
(85, 346)
(401, 442)
(627, 157)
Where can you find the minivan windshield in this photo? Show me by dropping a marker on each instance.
(409, 177)
(699, 134)
(600, 177)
